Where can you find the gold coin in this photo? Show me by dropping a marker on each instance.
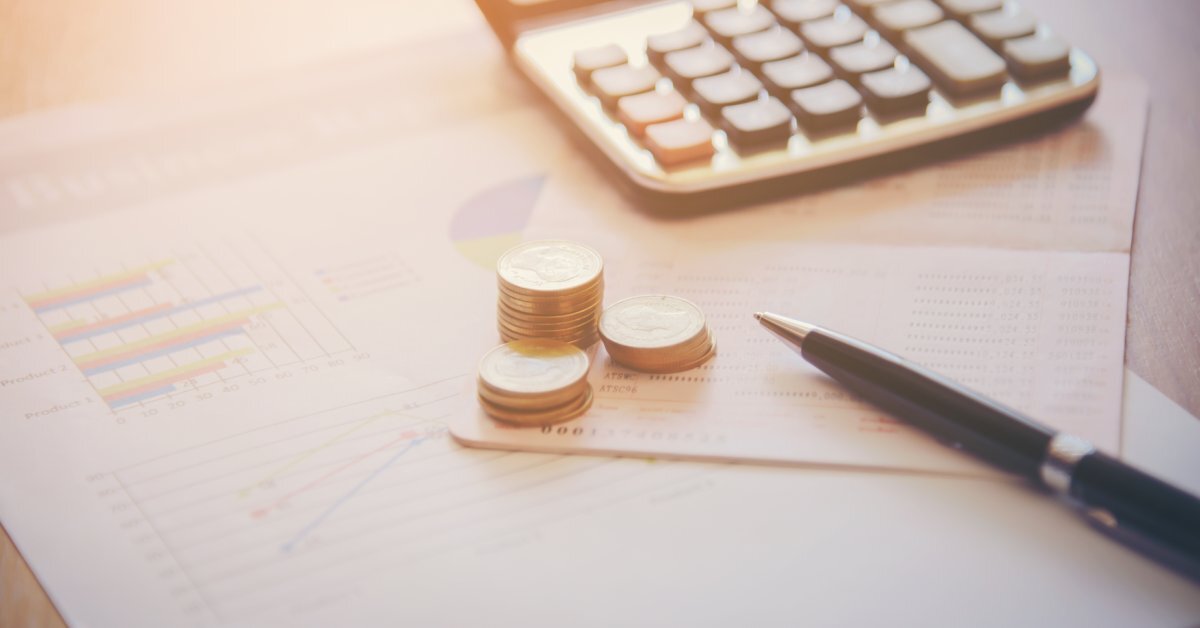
(566, 412)
(519, 325)
(678, 367)
(564, 306)
(507, 293)
(547, 267)
(533, 366)
(576, 317)
(569, 337)
(694, 348)
(581, 342)
(652, 322)
(525, 401)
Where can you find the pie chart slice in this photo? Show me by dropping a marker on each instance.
(491, 222)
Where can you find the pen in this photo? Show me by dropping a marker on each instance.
(1133, 506)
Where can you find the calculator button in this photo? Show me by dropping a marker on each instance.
(623, 80)
(1037, 56)
(684, 66)
(679, 141)
(956, 59)
(729, 23)
(832, 32)
(591, 59)
(961, 9)
(641, 110)
(731, 88)
(689, 36)
(865, 7)
(795, 12)
(1010, 22)
(896, 90)
(897, 17)
(832, 104)
(857, 59)
(801, 71)
(757, 122)
(701, 7)
(770, 45)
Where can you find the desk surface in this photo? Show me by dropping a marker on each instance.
(58, 52)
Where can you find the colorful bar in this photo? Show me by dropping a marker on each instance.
(149, 394)
(42, 307)
(155, 342)
(112, 363)
(92, 288)
(76, 330)
(141, 385)
(67, 326)
(141, 316)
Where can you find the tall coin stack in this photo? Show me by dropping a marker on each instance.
(550, 289)
(534, 382)
(657, 334)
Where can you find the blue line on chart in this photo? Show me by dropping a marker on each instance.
(306, 530)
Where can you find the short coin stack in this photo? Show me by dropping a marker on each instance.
(534, 382)
(550, 289)
(656, 334)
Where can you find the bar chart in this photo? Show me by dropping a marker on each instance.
(202, 316)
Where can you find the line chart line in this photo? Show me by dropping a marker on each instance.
(263, 511)
(315, 523)
(305, 455)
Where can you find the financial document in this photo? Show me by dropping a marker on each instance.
(1007, 270)
(235, 330)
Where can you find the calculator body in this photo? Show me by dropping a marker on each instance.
(544, 39)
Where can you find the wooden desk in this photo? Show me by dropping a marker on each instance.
(55, 52)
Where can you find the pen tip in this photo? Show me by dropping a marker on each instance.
(758, 316)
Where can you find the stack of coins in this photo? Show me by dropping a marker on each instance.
(550, 289)
(657, 334)
(534, 382)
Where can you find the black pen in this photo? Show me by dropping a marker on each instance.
(1133, 506)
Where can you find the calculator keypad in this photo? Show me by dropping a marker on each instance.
(731, 80)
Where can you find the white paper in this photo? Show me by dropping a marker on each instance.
(1006, 270)
(325, 490)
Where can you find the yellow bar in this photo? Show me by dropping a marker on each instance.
(67, 325)
(92, 283)
(182, 331)
(142, 381)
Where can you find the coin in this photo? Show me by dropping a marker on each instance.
(548, 267)
(566, 412)
(656, 334)
(559, 305)
(583, 294)
(533, 366)
(677, 367)
(524, 401)
(503, 311)
(652, 322)
(659, 357)
(582, 342)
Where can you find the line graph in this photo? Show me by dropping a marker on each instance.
(333, 499)
(197, 317)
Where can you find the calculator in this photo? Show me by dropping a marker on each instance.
(705, 103)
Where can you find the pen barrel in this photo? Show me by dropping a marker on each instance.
(1151, 514)
(949, 411)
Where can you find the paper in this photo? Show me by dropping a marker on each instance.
(322, 488)
(1007, 271)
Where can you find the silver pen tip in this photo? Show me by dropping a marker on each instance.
(789, 329)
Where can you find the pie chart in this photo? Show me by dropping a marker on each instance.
(491, 222)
